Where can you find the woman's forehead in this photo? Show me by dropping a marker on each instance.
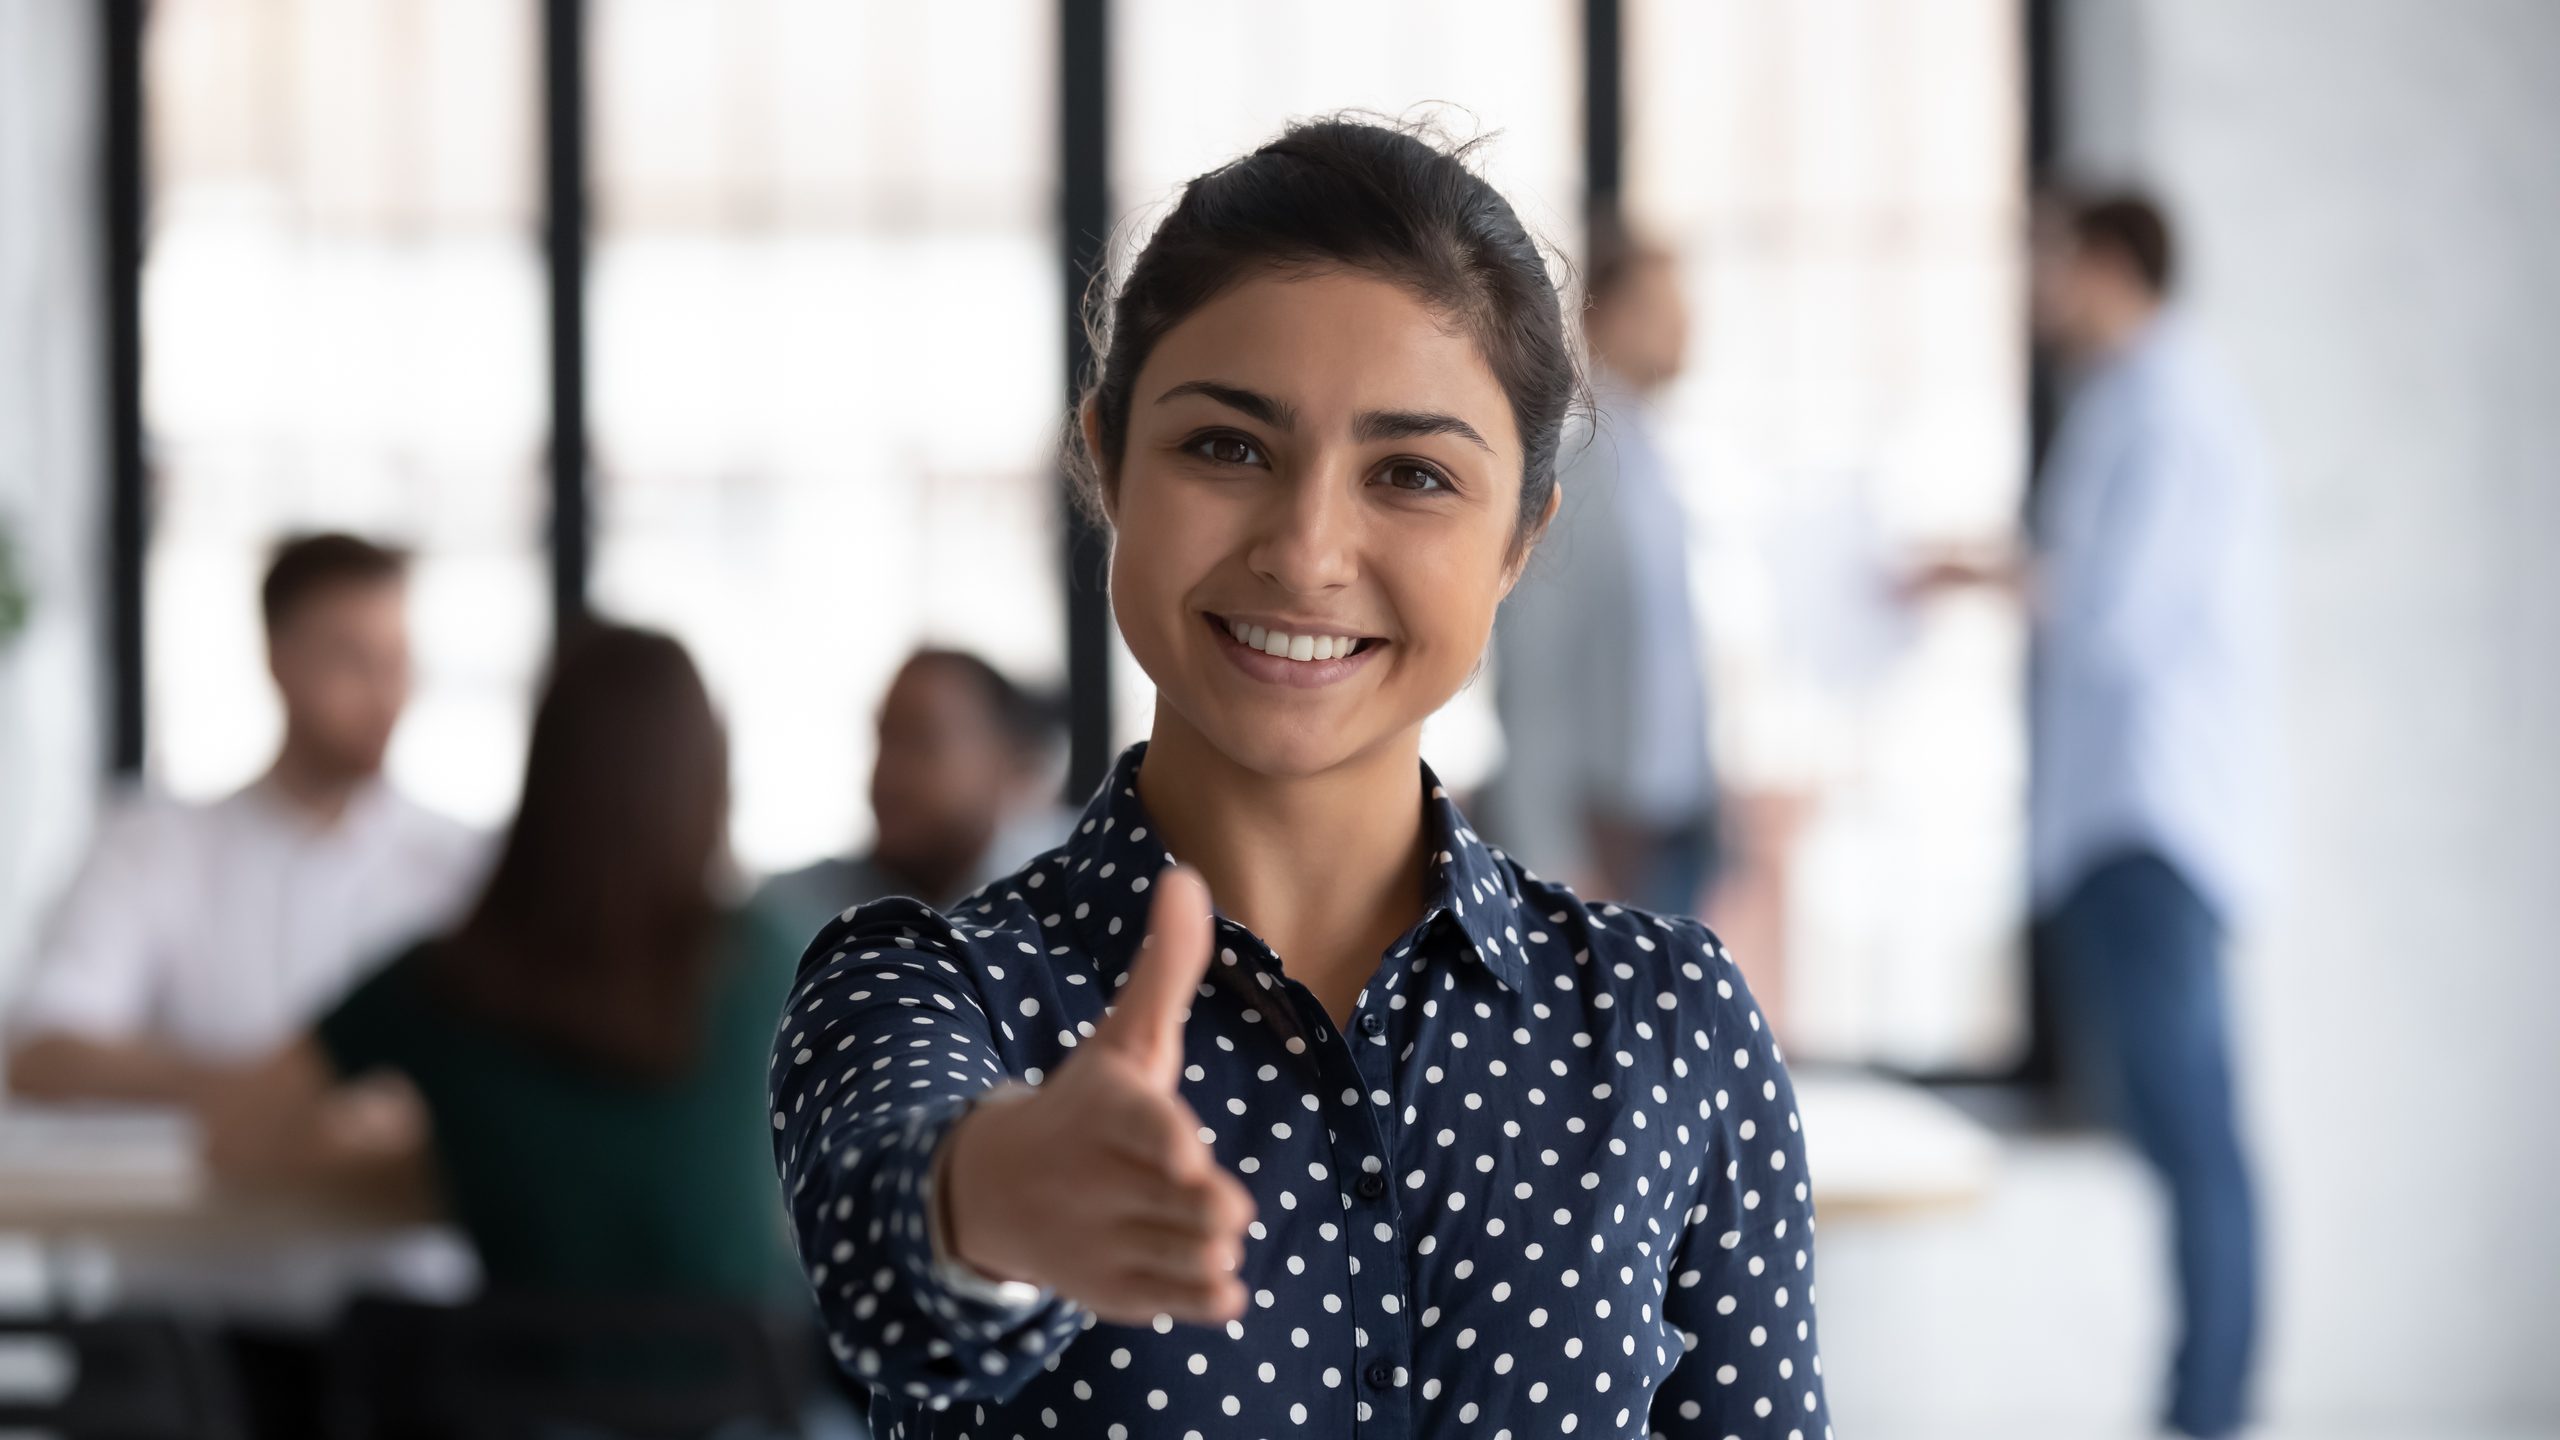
(1330, 346)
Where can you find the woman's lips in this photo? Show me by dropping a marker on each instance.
(1279, 670)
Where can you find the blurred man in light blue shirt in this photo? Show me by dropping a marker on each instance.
(2153, 653)
(2151, 597)
(1599, 676)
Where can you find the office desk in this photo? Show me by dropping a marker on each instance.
(1881, 1147)
(109, 1206)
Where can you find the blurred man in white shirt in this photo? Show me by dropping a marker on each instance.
(199, 935)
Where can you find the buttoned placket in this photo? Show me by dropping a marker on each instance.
(1344, 1072)
(1348, 1070)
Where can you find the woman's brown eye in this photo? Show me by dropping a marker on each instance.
(1415, 477)
(1228, 450)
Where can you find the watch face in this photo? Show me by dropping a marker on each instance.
(1010, 1294)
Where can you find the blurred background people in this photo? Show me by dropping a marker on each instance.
(1599, 674)
(963, 789)
(590, 1042)
(2149, 590)
(197, 935)
(275, 267)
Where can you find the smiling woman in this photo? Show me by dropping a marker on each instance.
(1085, 1152)
(1260, 479)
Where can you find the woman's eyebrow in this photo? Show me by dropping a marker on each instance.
(1408, 424)
(1369, 425)
(1278, 414)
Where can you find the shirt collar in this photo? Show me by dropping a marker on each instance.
(1113, 854)
(2137, 350)
(368, 808)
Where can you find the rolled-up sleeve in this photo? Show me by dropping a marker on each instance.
(884, 1045)
(93, 972)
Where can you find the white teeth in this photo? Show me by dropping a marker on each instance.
(1291, 647)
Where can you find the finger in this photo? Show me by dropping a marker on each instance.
(1157, 1132)
(1234, 1207)
(1131, 1298)
(1208, 1204)
(1180, 1254)
(1146, 1021)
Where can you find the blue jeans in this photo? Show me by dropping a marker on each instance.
(2136, 958)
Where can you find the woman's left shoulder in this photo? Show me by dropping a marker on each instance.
(1667, 965)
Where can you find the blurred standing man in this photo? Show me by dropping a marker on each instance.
(2152, 666)
(961, 794)
(1598, 674)
(197, 936)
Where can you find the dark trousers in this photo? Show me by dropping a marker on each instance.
(2136, 966)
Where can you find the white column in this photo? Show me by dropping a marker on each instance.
(52, 454)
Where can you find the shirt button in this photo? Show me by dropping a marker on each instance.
(1379, 1374)
(1372, 1185)
(1373, 1023)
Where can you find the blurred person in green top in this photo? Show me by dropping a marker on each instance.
(590, 1044)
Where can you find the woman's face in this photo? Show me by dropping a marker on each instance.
(1319, 461)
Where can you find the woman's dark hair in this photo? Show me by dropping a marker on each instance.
(596, 934)
(1347, 194)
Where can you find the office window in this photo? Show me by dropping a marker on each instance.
(1194, 85)
(825, 358)
(1844, 185)
(343, 327)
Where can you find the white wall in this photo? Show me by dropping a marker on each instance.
(2370, 195)
(52, 432)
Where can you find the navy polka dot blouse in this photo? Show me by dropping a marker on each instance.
(1549, 1180)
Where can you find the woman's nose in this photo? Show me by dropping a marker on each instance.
(1310, 536)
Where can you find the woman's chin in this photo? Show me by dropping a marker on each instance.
(1289, 747)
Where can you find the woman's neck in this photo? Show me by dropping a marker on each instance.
(1327, 869)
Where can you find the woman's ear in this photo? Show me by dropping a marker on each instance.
(1529, 543)
(1089, 421)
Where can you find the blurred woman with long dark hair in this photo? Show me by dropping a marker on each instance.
(590, 1043)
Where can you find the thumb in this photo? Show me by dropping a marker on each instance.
(1146, 1024)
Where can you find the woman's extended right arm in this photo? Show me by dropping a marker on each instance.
(883, 1047)
(1096, 1187)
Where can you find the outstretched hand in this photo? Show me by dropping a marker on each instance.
(1097, 1184)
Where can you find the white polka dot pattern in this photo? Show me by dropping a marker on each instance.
(1550, 1180)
